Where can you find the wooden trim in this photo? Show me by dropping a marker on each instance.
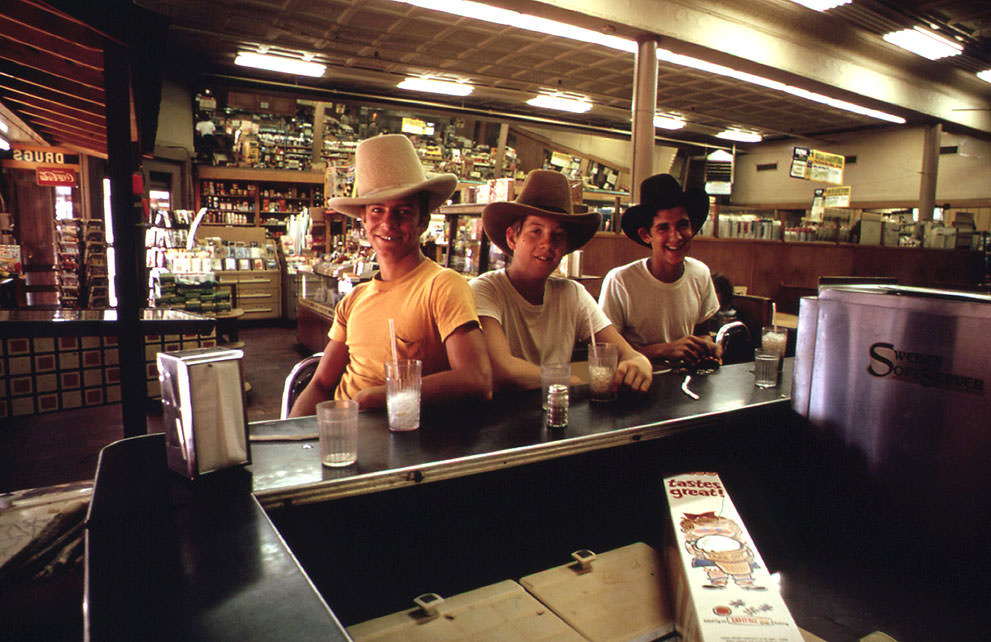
(49, 71)
(48, 95)
(258, 175)
(57, 46)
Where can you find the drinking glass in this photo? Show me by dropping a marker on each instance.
(338, 425)
(602, 362)
(765, 368)
(402, 386)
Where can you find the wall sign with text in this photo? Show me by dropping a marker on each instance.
(817, 165)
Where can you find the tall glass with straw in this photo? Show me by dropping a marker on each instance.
(402, 387)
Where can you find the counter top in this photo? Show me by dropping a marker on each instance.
(57, 323)
(463, 439)
(169, 559)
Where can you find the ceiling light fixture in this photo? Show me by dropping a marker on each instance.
(985, 75)
(4, 145)
(436, 86)
(740, 136)
(479, 11)
(561, 102)
(668, 122)
(821, 5)
(488, 13)
(924, 43)
(722, 70)
(280, 63)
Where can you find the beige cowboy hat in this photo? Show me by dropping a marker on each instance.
(545, 193)
(387, 168)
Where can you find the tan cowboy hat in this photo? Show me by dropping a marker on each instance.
(545, 193)
(386, 168)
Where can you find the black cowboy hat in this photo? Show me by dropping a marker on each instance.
(662, 192)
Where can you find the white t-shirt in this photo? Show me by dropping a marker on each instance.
(538, 333)
(646, 310)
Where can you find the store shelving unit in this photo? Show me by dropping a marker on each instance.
(68, 262)
(256, 198)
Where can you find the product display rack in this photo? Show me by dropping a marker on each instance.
(68, 233)
(96, 282)
(256, 198)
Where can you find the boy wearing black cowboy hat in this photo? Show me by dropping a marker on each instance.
(660, 304)
(528, 316)
(432, 307)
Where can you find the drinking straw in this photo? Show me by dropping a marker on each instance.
(392, 335)
(591, 335)
(774, 312)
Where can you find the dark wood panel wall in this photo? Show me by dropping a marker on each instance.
(764, 267)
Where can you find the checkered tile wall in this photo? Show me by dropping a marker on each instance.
(48, 374)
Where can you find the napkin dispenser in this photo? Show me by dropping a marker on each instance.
(203, 408)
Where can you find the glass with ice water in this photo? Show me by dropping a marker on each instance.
(775, 338)
(402, 385)
(602, 362)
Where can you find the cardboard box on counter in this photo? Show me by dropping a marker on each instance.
(721, 587)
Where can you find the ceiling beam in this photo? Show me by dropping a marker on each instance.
(53, 22)
(54, 45)
(17, 86)
(60, 124)
(42, 68)
(55, 108)
(37, 112)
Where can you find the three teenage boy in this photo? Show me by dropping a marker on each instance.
(527, 315)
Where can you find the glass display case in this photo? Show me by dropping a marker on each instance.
(468, 249)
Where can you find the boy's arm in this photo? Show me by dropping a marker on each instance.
(324, 381)
(634, 369)
(508, 372)
(471, 371)
(470, 374)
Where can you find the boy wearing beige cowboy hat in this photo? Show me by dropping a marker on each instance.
(660, 304)
(432, 307)
(528, 316)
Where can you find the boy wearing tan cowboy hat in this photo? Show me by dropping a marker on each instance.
(660, 304)
(432, 307)
(528, 316)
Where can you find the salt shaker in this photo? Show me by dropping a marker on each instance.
(557, 406)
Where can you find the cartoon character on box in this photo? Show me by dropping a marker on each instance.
(717, 545)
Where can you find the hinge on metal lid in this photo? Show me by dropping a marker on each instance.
(584, 557)
(428, 604)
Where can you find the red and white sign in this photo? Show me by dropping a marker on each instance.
(53, 176)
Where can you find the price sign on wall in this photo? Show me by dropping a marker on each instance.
(817, 165)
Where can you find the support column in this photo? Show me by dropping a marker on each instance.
(501, 151)
(128, 229)
(316, 151)
(930, 171)
(644, 106)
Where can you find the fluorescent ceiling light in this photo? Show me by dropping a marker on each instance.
(479, 11)
(435, 86)
(560, 103)
(985, 75)
(280, 63)
(668, 122)
(821, 5)
(3, 127)
(924, 43)
(4, 144)
(722, 70)
(740, 136)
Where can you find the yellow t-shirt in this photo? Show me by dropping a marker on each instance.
(428, 304)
